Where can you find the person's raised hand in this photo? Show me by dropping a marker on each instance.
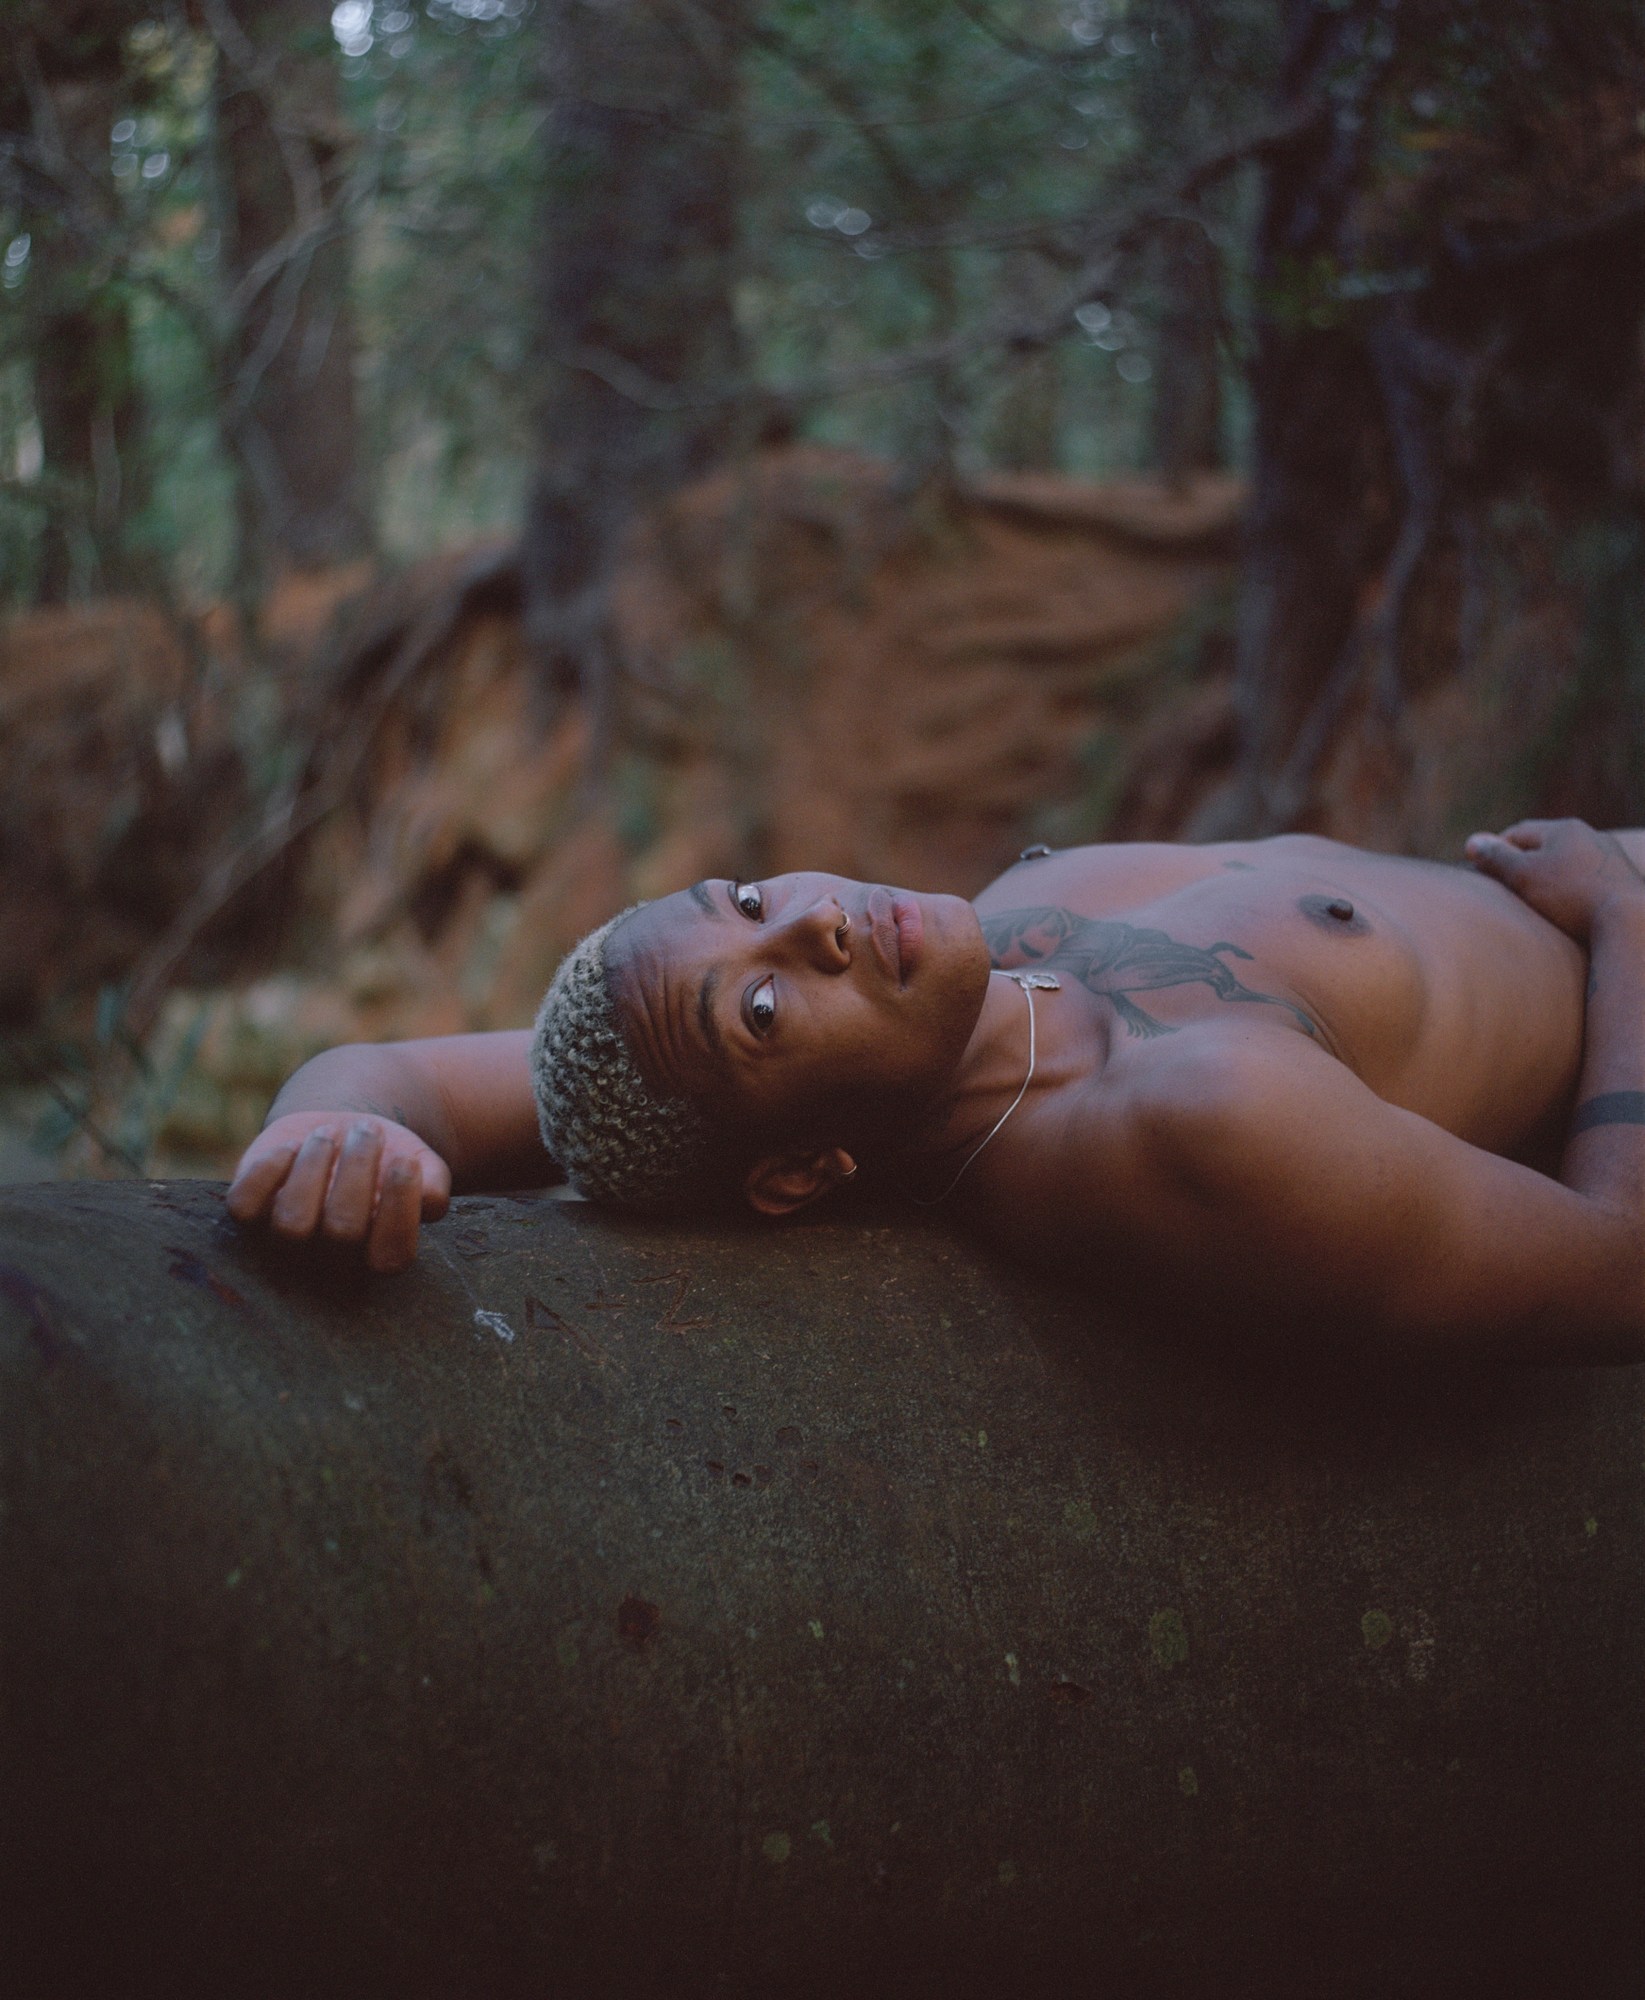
(1565, 870)
(346, 1176)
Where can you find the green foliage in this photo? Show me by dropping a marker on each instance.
(441, 207)
(124, 231)
(918, 167)
(445, 259)
(912, 170)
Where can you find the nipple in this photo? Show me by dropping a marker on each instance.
(1333, 913)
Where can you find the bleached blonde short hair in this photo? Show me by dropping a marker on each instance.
(615, 1138)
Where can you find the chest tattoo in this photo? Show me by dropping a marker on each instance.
(1119, 960)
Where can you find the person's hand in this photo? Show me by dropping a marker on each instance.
(1564, 869)
(348, 1176)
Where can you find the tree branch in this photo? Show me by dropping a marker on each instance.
(290, 818)
(837, 90)
(1019, 46)
(1017, 332)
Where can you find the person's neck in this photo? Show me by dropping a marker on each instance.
(989, 1076)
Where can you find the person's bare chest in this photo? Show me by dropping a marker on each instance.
(1440, 991)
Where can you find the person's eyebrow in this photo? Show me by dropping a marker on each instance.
(707, 1019)
(703, 896)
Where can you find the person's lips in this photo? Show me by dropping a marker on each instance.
(896, 929)
(910, 926)
(879, 916)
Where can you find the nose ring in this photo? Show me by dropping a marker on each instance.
(844, 924)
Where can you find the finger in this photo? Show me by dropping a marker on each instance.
(436, 1178)
(1492, 855)
(393, 1242)
(297, 1206)
(1527, 834)
(353, 1191)
(256, 1181)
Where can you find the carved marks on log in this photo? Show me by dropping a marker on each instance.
(567, 1315)
(538, 1315)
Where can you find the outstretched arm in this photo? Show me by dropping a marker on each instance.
(365, 1143)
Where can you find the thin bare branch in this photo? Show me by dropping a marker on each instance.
(837, 90)
(297, 814)
(1019, 46)
(1012, 331)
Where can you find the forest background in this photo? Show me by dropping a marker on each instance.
(467, 463)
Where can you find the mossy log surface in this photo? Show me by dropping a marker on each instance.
(605, 1608)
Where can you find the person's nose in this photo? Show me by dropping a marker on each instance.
(818, 934)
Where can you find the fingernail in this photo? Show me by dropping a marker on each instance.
(320, 1134)
(360, 1130)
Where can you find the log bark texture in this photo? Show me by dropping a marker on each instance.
(606, 1608)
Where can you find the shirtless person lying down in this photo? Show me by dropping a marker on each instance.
(1282, 1077)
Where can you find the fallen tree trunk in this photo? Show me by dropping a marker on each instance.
(606, 1608)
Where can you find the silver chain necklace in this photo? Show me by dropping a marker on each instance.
(1031, 983)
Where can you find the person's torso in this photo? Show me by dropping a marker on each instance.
(1443, 992)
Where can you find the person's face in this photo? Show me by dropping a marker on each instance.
(802, 1001)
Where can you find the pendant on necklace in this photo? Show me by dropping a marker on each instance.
(1042, 982)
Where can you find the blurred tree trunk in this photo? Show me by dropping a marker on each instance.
(1187, 410)
(1316, 436)
(62, 95)
(638, 334)
(1027, 417)
(90, 455)
(1181, 265)
(1449, 278)
(1026, 421)
(285, 152)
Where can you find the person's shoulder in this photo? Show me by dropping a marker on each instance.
(1097, 1155)
(1034, 877)
(1194, 1147)
(1182, 1119)
(1198, 1102)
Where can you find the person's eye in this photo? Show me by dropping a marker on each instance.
(761, 1006)
(748, 899)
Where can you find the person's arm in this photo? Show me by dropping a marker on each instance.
(364, 1143)
(1584, 882)
(1256, 1172)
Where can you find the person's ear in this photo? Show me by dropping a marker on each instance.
(782, 1182)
